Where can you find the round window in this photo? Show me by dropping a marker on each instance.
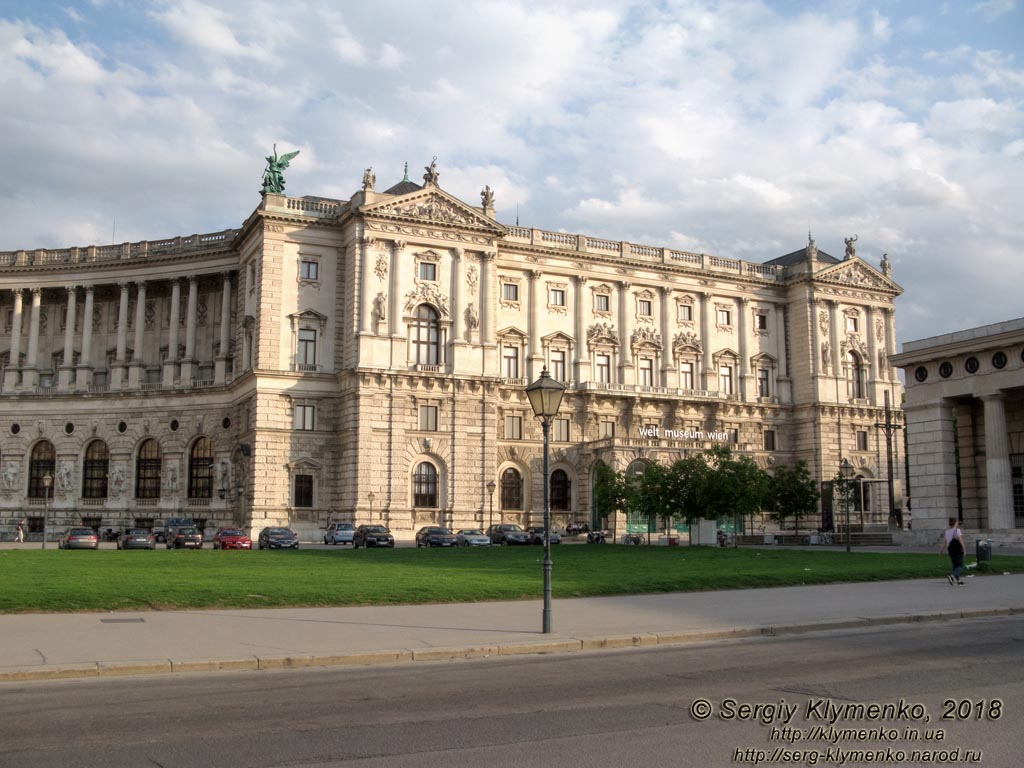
(15, 429)
(971, 365)
(946, 370)
(69, 428)
(174, 425)
(122, 426)
(921, 374)
(226, 423)
(999, 360)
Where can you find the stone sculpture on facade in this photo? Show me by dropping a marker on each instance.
(171, 478)
(686, 340)
(64, 477)
(430, 177)
(369, 179)
(886, 265)
(487, 197)
(380, 310)
(117, 478)
(10, 476)
(811, 249)
(273, 176)
(851, 251)
(472, 317)
(826, 357)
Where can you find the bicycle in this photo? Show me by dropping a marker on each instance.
(636, 539)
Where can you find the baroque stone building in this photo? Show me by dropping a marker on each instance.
(366, 359)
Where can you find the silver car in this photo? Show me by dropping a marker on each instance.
(473, 537)
(339, 533)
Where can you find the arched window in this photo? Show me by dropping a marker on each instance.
(426, 336)
(148, 464)
(424, 485)
(200, 469)
(561, 490)
(511, 489)
(42, 462)
(94, 470)
(854, 375)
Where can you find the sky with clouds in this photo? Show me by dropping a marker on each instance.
(729, 127)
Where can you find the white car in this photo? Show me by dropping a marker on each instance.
(473, 537)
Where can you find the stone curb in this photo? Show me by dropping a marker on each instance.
(541, 647)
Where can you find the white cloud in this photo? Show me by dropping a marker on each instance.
(881, 28)
(202, 26)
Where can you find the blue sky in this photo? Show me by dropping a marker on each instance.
(725, 127)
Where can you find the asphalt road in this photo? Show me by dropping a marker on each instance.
(624, 708)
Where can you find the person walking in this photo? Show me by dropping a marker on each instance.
(953, 542)
(20, 538)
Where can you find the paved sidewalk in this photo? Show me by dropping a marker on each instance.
(49, 646)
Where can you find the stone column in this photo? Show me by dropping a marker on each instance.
(188, 365)
(705, 332)
(932, 464)
(999, 484)
(12, 375)
(365, 299)
(30, 373)
(833, 327)
(171, 362)
(220, 372)
(394, 287)
(66, 376)
(491, 366)
(117, 371)
(83, 373)
(666, 335)
(817, 364)
(782, 390)
(581, 361)
(890, 342)
(872, 367)
(456, 292)
(625, 331)
(743, 304)
(138, 364)
(536, 356)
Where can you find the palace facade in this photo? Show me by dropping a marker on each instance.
(366, 359)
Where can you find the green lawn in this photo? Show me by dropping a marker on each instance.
(111, 580)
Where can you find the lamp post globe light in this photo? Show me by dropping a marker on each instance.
(545, 396)
(370, 497)
(490, 510)
(47, 484)
(846, 470)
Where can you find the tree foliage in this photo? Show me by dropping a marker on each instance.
(792, 493)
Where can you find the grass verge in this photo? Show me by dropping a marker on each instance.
(54, 581)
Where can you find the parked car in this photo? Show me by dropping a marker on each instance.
(79, 538)
(184, 538)
(136, 538)
(278, 538)
(339, 533)
(435, 536)
(231, 538)
(372, 536)
(507, 533)
(537, 536)
(163, 531)
(473, 537)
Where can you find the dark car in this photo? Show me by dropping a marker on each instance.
(508, 533)
(339, 533)
(136, 538)
(278, 538)
(184, 538)
(435, 536)
(537, 536)
(231, 538)
(79, 538)
(162, 534)
(372, 536)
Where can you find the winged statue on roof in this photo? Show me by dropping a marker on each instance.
(273, 176)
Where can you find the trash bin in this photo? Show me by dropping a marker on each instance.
(984, 550)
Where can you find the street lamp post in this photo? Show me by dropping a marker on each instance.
(490, 510)
(47, 484)
(846, 470)
(370, 497)
(545, 396)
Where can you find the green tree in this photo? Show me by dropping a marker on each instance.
(792, 493)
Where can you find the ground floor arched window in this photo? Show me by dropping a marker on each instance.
(41, 463)
(511, 489)
(200, 469)
(561, 490)
(424, 485)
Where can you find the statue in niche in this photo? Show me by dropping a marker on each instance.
(64, 477)
(117, 478)
(472, 317)
(430, 177)
(380, 309)
(369, 179)
(273, 176)
(851, 251)
(886, 265)
(225, 474)
(10, 476)
(826, 357)
(172, 477)
(487, 197)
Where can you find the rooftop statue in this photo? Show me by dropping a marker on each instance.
(273, 176)
(850, 250)
(487, 197)
(430, 177)
(369, 179)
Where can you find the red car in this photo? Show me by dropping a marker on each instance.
(231, 538)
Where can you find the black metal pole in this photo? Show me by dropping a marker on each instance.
(546, 622)
(846, 506)
(888, 463)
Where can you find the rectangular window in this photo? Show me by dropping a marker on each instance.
(560, 431)
(769, 439)
(734, 436)
(306, 353)
(761, 321)
(862, 440)
(724, 317)
(428, 418)
(644, 307)
(606, 429)
(762, 382)
(602, 302)
(686, 313)
(428, 270)
(303, 417)
(686, 375)
(510, 362)
(309, 270)
(557, 297)
(725, 379)
(510, 292)
(513, 427)
(604, 369)
(303, 491)
(646, 372)
(851, 324)
(558, 365)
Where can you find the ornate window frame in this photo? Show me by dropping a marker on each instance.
(756, 314)
(308, 258)
(688, 301)
(304, 465)
(427, 257)
(504, 280)
(645, 295)
(601, 290)
(731, 309)
(553, 308)
(308, 320)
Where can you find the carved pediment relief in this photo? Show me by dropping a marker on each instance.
(686, 340)
(856, 273)
(602, 332)
(434, 205)
(427, 292)
(645, 337)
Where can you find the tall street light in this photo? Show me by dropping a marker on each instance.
(370, 497)
(490, 511)
(47, 484)
(846, 470)
(545, 398)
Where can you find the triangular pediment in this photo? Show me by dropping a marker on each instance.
(436, 206)
(855, 273)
